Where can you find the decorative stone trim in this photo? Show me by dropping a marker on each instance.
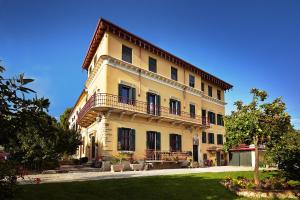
(174, 98)
(153, 91)
(114, 62)
(127, 83)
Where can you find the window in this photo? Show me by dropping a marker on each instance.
(204, 156)
(211, 117)
(153, 140)
(204, 119)
(126, 139)
(210, 91)
(220, 120)
(192, 81)
(219, 139)
(175, 142)
(211, 138)
(126, 54)
(153, 104)
(175, 107)
(126, 94)
(219, 94)
(202, 87)
(152, 65)
(204, 137)
(192, 111)
(174, 73)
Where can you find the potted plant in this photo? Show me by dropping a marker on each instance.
(136, 166)
(116, 162)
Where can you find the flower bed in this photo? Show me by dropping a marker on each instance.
(271, 187)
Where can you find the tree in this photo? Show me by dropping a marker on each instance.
(41, 141)
(64, 118)
(286, 154)
(12, 104)
(256, 123)
(28, 132)
(30, 135)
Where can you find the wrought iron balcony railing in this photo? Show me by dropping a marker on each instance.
(153, 155)
(114, 102)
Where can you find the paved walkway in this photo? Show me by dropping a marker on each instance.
(86, 176)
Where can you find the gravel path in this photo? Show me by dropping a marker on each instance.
(86, 176)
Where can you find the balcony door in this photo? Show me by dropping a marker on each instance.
(126, 94)
(153, 104)
(203, 117)
(153, 140)
(153, 145)
(175, 107)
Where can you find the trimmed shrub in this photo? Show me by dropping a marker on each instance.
(8, 180)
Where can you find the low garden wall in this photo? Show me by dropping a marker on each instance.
(260, 193)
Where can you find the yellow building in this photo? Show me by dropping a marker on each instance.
(143, 101)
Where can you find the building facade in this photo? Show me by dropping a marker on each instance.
(145, 102)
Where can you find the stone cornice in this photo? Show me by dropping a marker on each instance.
(111, 61)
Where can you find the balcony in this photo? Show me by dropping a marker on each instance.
(166, 156)
(109, 103)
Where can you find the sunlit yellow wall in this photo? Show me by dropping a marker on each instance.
(108, 78)
(141, 126)
(140, 59)
(101, 50)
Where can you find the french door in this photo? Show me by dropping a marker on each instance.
(153, 104)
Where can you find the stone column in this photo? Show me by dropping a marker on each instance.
(105, 136)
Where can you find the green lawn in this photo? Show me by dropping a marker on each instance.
(193, 186)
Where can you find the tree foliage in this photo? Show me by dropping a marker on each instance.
(286, 153)
(257, 123)
(28, 132)
(64, 118)
(8, 180)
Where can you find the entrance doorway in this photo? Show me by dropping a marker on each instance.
(93, 147)
(195, 153)
(219, 158)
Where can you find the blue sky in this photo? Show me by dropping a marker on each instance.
(246, 43)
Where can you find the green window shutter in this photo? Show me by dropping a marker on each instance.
(148, 102)
(120, 139)
(179, 142)
(157, 141)
(148, 135)
(120, 93)
(221, 120)
(133, 96)
(132, 140)
(158, 104)
(214, 118)
(203, 137)
(171, 142)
